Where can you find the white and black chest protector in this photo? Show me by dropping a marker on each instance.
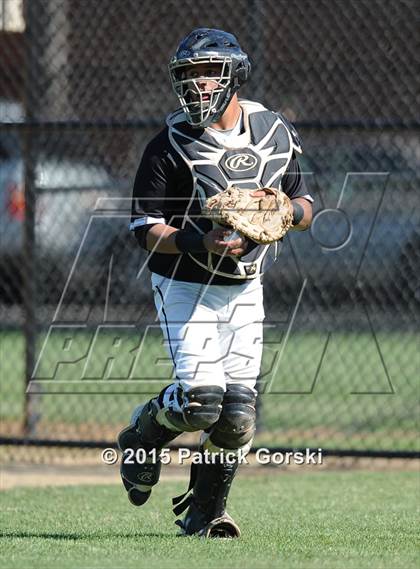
(256, 158)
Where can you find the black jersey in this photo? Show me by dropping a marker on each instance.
(181, 167)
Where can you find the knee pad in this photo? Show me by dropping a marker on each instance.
(236, 425)
(201, 408)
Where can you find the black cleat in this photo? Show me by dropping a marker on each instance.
(196, 523)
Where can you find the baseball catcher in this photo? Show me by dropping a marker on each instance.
(215, 193)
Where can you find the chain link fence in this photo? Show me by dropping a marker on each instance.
(83, 88)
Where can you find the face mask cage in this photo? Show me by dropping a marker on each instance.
(200, 106)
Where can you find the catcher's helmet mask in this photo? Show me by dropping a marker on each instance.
(212, 47)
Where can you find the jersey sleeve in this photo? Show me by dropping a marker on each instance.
(293, 182)
(153, 179)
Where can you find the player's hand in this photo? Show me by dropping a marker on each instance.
(214, 242)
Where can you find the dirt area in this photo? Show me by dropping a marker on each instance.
(86, 467)
(37, 475)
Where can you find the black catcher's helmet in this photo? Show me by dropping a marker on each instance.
(222, 51)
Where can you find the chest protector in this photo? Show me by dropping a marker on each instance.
(256, 158)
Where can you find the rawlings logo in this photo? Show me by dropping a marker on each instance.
(241, 162)
(145, 477)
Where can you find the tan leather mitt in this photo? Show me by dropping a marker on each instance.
(264, 215)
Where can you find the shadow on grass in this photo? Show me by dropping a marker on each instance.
(82, 536)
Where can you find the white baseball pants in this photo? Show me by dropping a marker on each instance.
(213, 333)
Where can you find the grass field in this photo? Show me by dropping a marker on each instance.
(348, 390)
(325, 520)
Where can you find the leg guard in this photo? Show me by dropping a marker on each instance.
(236, 425)
(143, 433)
(206, 515)
(193, 410)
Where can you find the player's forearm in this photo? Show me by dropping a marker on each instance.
(160, 238)
(302, 210)
(163, 238)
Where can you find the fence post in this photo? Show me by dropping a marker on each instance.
(31, 403)
(257, 52)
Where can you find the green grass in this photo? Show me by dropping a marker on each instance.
(308, 520)
(352, 391)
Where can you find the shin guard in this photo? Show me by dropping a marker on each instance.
(206, 515)
(144, 433)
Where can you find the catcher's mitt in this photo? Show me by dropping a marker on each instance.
(264, 215)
